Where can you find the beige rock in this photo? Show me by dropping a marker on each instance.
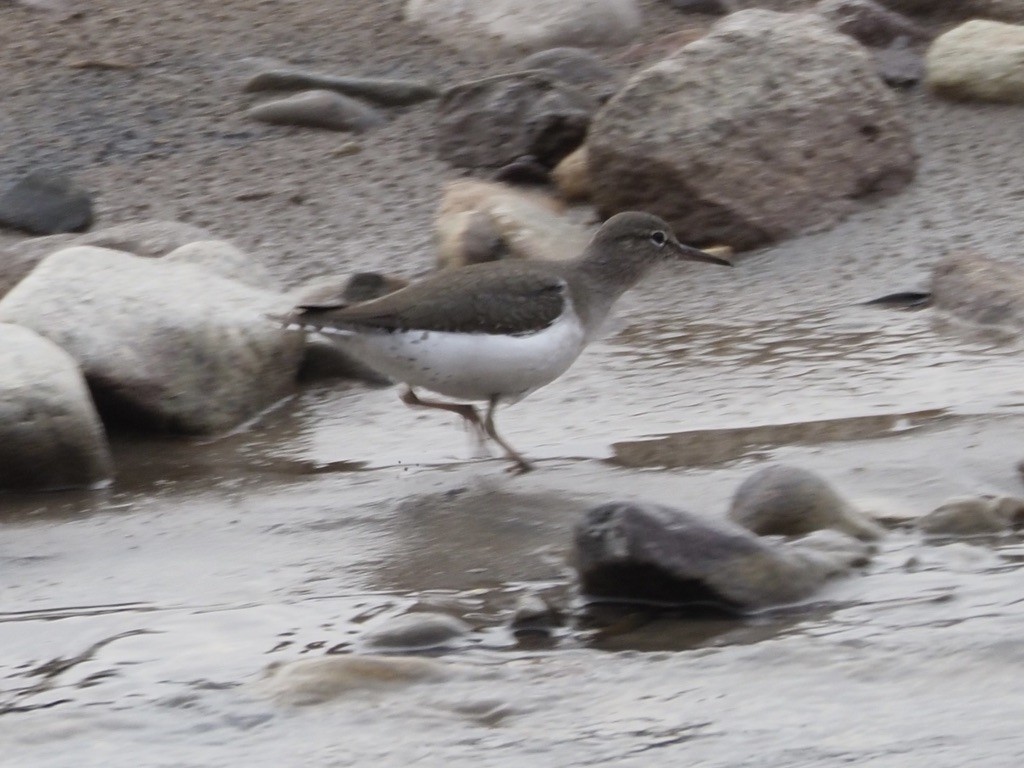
(571, 176)
(315, 681)
(978, 60)
(481, 221)
(163, 345)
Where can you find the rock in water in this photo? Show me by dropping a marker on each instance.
(788, 501)
(653, 553)
(418, 631)
(766, 102)
(315, 681)
(974, 516)
(982, 60)
(46, 203)
(164, 345)
(50, 434)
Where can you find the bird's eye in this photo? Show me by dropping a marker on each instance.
(659, 238)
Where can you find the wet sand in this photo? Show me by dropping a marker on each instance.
(136, 620)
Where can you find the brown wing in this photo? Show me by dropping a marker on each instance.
(501, 297)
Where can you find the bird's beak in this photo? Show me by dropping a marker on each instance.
(696, 254)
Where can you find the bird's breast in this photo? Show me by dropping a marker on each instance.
(471, 366)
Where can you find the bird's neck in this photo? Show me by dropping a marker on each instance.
(600, 279)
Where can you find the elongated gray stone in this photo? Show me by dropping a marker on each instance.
(387, 93)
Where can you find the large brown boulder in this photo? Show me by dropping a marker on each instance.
(771, 124)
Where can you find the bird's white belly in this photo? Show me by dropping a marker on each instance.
(470, 366)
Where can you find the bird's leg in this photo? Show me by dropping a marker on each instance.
(465, 410)
(522, 466)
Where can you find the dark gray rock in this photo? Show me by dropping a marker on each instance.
(652, 553)
(318, 109)
(46, 203)
(50, 434)
(870, 23)
(899, 66)
(781, 500)
(489, 123)
(381, 91)
(766, 102)
(163, 345)
(979, 289)
(711, 7)
(577, 67)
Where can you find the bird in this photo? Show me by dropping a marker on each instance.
(496, 332)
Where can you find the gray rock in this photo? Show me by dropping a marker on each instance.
(577, 67)
(766, 102)
(974, 516)
(318, 109)
(384, 92)
(899, 66)
(491, 122)
(165, 345)
(979, 289)
(224, 259)
(417, 632)
(143, 238)
(869, 23)
(712, 7)
(50, 434)
(652, 553)
(529, 25)
(979, 60)
(782, 500)
(45, 203)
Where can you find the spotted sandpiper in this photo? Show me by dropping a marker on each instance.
(495, 332)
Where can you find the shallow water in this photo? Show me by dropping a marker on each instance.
(136, 620)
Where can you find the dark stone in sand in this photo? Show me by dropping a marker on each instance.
(577, 67)
(652, 553)
(491, 122)
(899, 66)
(46, 203)
(387, 93)
(524, 170)
(869, 23)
